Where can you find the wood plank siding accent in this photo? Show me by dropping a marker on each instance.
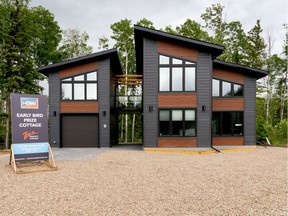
(227, 104)
(177, 100)
(78, 69)
(177, 142)
(79, 107)
(177, 51)
(228, 141)
(228, 75)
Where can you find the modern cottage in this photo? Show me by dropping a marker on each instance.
(189, 98)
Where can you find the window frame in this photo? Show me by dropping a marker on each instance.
(170, 66)
(72, 81)
(232, 89)
(171, 122)
(233, 113)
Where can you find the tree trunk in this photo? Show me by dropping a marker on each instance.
(7, 123)
(133, 128)
(126, 128)
(122, 128)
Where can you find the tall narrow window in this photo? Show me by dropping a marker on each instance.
(190, 82)
(190, 123)
(164, 78)
(164, 121)
(177, 79)
(177, 122)
(216, 88)
(226, 89)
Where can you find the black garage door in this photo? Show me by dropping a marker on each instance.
(79, 130)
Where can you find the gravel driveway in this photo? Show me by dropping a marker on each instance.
(140, 183)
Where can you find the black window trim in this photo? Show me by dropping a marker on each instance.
(170, 122)
(85, 81)
(232, 134)
(232, 88)
(170, 66)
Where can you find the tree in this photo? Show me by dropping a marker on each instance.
(192, 29)
(21, 38)
(74, 44)
(256, 47)
(215, 21)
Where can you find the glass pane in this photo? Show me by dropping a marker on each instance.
(216, 88)
(177, 123)
(226, 89)
(238, 90)
(164, 124)
(79, 93)
(238, 123)
(79, 78)
(68, 79)
(91, 91)
(66, 93)
(216, 123)
(189, 79)
(177, 115)
(164, 115)
(189, 115)
(190, 128)
(226, 123)
(164, 79)
(163, 59)
(176, 61)
(92, 76)
(177, 79)
(190, 63)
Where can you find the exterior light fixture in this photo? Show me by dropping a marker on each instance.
(54, 113)
(203, 108)
(104, 113)
(150, 108)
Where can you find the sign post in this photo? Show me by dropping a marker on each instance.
(29, 129)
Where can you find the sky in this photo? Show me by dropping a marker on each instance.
(96, 16)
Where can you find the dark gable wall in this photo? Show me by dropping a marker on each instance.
(204, 92)
(150, 90)
(104, 102)
(250, 111)
(54, 98)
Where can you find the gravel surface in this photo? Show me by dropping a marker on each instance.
(140, 183)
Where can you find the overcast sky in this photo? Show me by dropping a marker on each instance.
(96, 16)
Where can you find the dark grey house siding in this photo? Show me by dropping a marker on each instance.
(204, 82)
(150, 90)
(113, 111)
(104, 102)
(54, 98)
(250, 111)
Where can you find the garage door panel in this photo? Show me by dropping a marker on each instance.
(79, 131)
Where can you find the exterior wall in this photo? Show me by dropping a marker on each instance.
(227, 104)
(176, 50)
(204, 91)
(250, 111)
(54, 106)
(177, 100)
(78, 69)
(79, 107)
(150, 89)
(228, 75)
(228, 141)
(177, 142)
(104, 102)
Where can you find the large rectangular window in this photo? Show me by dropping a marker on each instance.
(176, 75)
(222, 88)
(227, 123)
(177, 122)
(80, 87)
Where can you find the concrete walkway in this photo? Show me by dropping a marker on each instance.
(68, 154)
